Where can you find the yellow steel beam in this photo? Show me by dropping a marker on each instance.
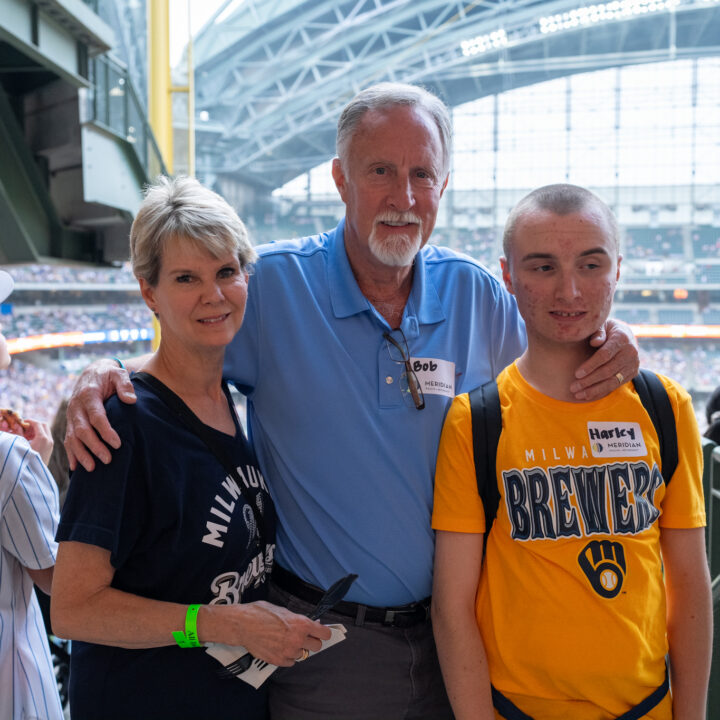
(160, 105)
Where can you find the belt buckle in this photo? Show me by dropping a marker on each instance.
(389, 619)
(400, 618)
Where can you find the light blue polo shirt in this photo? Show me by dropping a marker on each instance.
(350, 465)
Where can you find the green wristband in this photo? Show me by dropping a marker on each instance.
(119, 362)
(189, 638)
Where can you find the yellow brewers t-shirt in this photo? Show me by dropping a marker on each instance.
(571, 604)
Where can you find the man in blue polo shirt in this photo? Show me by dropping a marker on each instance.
(354, 342)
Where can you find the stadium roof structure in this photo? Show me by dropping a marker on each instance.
(272, 75)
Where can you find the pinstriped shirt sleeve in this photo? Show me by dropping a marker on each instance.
(28, 521)
(29, 504)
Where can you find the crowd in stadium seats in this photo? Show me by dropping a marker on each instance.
(706, 242)
(708, 274)
(33, 391)
(64, 274)
(481, 244)
(711, 316)
(651, 254)
(694, 364)
(654, 271)
(632, 315)
(86, 319)
(653, 243)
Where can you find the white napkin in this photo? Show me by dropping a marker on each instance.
(259, 671)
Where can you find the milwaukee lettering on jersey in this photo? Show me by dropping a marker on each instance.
(226, 502)
(568, 501)
(620, 439)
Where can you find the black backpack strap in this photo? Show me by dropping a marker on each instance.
(655, 400)
(510, 711)
(486, 428)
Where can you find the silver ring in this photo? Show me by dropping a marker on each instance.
(304, 655)
(620, 377)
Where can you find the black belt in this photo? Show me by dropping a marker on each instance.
(403, 616)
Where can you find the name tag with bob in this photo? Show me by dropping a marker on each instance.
(437, 377)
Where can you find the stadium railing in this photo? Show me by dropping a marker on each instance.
(114, 105)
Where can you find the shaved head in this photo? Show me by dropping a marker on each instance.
(560, 199)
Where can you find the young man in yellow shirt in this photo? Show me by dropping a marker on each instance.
(566, 613)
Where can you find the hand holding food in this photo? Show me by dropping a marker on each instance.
(11, 422)
(36, 433)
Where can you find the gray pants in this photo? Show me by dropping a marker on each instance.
(376, 673)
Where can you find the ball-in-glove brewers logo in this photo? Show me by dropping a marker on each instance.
(603, 563)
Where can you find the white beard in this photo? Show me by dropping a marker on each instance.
(400, 250)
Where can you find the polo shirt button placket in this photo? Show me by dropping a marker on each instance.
(388, 375)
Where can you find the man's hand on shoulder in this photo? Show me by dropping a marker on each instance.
(616, 361)
(88, 429)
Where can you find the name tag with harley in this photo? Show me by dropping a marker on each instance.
(616, 439)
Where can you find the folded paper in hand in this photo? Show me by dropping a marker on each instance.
(259, 671)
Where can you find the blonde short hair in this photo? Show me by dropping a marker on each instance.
(181, 208)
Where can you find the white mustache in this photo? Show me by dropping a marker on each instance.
(405, 218)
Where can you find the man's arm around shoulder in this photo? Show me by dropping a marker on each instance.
(88, 429)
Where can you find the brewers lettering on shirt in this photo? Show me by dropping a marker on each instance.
(565, 501)
(228, 587)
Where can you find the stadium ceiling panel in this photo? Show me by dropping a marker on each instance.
(272, 75)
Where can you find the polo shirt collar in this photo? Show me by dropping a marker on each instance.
(345, 294)
(347, 298)
(424, 294)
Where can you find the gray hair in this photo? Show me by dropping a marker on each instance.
(386, 95)
(183, 208)
(560, 199)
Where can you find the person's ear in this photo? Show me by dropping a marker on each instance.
(148, 294)
(507, 279)
(444, 185)
(339, 178)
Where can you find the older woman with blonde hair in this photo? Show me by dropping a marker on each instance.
(171, 544)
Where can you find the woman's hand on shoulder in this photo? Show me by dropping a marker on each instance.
(269, 632)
